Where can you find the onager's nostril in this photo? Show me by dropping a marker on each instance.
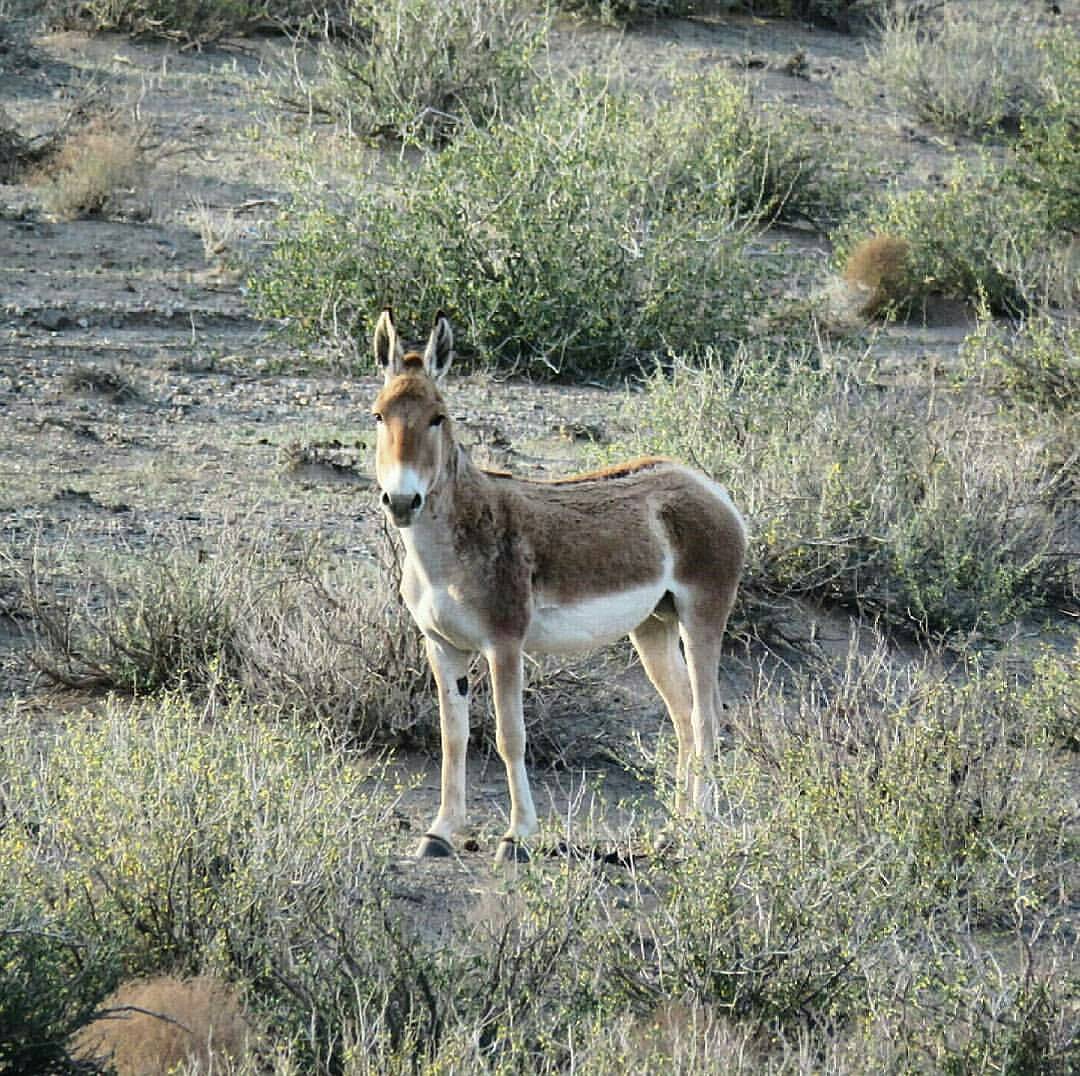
(402, 506)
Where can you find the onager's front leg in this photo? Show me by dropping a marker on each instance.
(507, 681)
(451, 669)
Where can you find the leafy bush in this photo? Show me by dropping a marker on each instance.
(1037, 364)
(979, 238)
(594, 231)
(53, 970)
(889, 500)
(425, 69)
(980, 69)
(1046, 159)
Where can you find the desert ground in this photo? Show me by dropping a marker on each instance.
(148, 415)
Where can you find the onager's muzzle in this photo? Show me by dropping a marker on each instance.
(403, 508)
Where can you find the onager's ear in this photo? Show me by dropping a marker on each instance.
(387, 345)
(439, 353)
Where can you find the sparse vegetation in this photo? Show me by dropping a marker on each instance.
(283, 631)
(1037, 365)
(901, 503)
(590, 234)
(973, 68)
(197, 22)
(881, 835)
(241, 620)
(423, 70)
(89, 169)
(837, 14)
(213, 818)
(627, 12)
(16, 153)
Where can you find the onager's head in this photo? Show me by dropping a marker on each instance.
(413, 441)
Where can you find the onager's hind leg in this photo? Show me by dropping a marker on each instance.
(657, 642)
(451, 669)
(701, 628)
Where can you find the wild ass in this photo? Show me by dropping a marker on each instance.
(502, 565)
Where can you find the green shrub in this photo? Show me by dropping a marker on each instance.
(1052, 696)
(976, 69)
(893, 501)
(979, 239)
(1046, 159)
(54, 970)
(587, 235)
(425, 69)
(1037, 365)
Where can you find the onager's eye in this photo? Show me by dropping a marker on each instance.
(438, 420)
(376, 416)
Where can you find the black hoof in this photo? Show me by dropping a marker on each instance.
(432, 846)
(511, 851)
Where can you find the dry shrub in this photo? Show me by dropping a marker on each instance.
(160, 1025)
(903, 502)
(971, 68)
(102, 381)
(13, 149)
(84, 176)
(291, 631)
(191, 22)
(879, 269)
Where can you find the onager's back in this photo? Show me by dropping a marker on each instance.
(500, 565)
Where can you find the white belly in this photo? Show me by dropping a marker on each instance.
(556, 629)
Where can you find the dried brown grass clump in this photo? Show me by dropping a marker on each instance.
(94, 163)
(155, 1026)
(878, 268)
